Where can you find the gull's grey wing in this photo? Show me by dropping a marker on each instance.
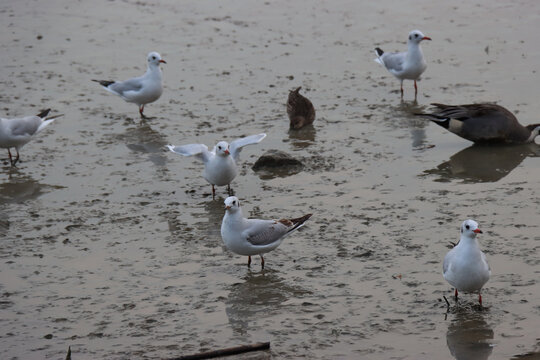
(264, 232)
(198, 150)
(122, 87)
(485, 260)
(446, 262)
(25, 126)
(237, 145)
(393, 61)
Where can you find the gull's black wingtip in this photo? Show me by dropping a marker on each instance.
(105, 83)
(44, 113)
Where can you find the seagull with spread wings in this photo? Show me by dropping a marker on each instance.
(220, 164)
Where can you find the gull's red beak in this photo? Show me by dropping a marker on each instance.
(426, 38)
(227, 151)
(163, 61)
(478, 231)
(227, 207)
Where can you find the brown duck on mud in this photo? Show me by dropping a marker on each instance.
(300, 110)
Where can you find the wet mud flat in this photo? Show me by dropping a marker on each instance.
(111, 245)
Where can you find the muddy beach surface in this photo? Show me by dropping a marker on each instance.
(111, 245)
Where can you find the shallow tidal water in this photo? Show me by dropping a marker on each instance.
(111, 244)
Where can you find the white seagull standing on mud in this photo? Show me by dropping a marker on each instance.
(15, 133)
(465, 266)
(405, 65)
(253, 236)
(141, 90)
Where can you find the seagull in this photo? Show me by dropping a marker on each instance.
(141, 90)
(220, 163)
(253, 236)
(465, 266)
(15, 133)
(405, 65)
(300, 110)
(483, 123)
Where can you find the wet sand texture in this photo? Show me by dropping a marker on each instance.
(110, 244)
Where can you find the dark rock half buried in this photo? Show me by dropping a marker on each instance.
(276, 163)
(276, 158)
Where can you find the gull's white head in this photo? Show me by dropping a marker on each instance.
(416, 36)
(469, 228)
(232, 204)
(154, 59)
(222, 148)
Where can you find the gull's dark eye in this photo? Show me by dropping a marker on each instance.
(467, 227)
(415, 35)
(153, 57)
(234, 202)
(219, 147)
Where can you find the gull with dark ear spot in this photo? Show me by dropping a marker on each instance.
(300, 110)
(405, 65)
(141, 90)
(465, 266)
(482, 123)
(15, 133)
(253, 236)
(220, 164)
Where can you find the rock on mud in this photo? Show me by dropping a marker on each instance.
(276, 158)
(276, 163)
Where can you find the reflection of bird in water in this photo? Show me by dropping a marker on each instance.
(418, 135)
(405, 111)
(259, 295)
(418, 132)
(21, 188)
(4, 223)
(18, 189)
(483, 123)
(142, 138)
(303, 138)
(210, 220)
(300, 110)
(479, 163)
(469, 337)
